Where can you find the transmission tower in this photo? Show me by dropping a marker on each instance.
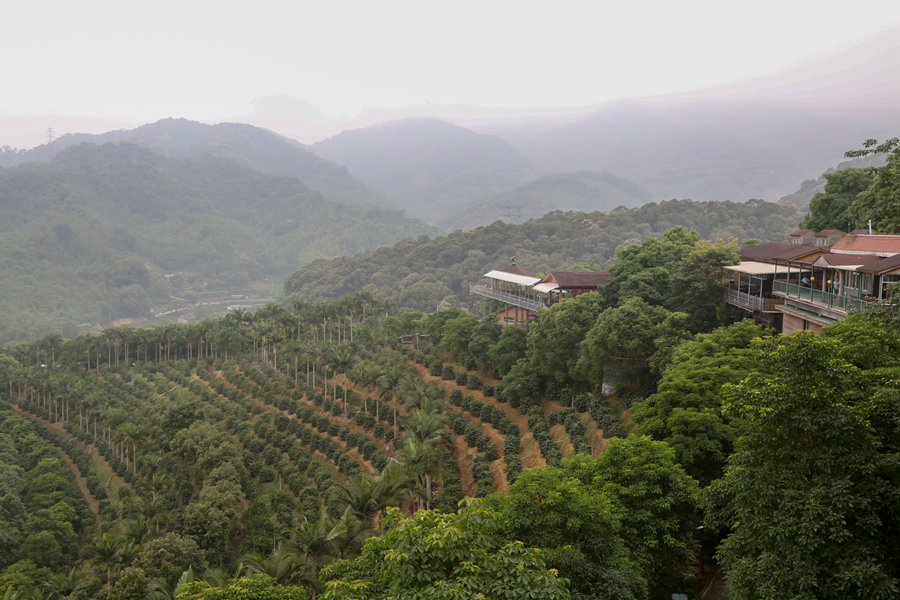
(49, 135)
(514, 212)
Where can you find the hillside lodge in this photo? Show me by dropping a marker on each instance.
(515, 294)
(814, 279)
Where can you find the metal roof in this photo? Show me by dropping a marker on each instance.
(511, 278)
(750, 267)
(881, 266)
(845, 262)
(545, 288)
(781, 251)
(517, 270)
(881, 245)
(577, 279)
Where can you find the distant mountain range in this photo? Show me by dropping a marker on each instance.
(428, 166)
(247, 145)
(584, 191)
(107, 232)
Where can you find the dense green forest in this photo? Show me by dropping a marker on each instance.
(338, 450)
(87, 238)
(421, 273)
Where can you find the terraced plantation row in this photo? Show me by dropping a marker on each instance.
(288, 442)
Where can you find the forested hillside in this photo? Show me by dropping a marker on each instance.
(246, 145)
(87, 237)
(324, 449)
(421, 273)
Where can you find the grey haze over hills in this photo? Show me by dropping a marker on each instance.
(463, 166)
(428, 166)
(585, 191)
(754, 139)
(249, 146)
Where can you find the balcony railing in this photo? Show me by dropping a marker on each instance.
(750, 302)
(507, 297)
(814, 296)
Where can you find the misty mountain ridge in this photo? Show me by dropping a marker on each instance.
(584, 191)
(247, 145)
(428, 166)
(86, 237)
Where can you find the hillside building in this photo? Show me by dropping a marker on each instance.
(515, 294)
(814, 280)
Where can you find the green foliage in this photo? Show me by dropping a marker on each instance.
(448, 265)
(509, 348)
(254, 587)
(131, 584)
(438, 556)
(880, 202)
(167, 557)
(555, 335)
(686, 410)
(831, 209)
(808, 497)
(620, 339)
(679, 272)
(577, 530)
(657, 503)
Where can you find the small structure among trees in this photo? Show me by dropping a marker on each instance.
(515, 294)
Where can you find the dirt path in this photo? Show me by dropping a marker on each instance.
(530, 453)
(62, 434)
(346, 422)
(268, 408)
(464, 459)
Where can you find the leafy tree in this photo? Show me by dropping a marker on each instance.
(485, 335)
(657, 504)
(510, 347)
(8, 368)
(106, 552)
(620, 339)
(457, 333)
(666, 337)
(804, 496)
(434, 323)
(694, 285)
(642, 269)
(881, 201)
(168, 556)
(437, 556)
(576, 528)
(131, 584)
(686, 410)
(831, 209)
(555, 335)
(286, 565)
(253, 587)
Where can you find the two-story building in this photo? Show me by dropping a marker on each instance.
(515, 294)
(815, 279)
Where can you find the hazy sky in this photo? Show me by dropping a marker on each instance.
(141, 61)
